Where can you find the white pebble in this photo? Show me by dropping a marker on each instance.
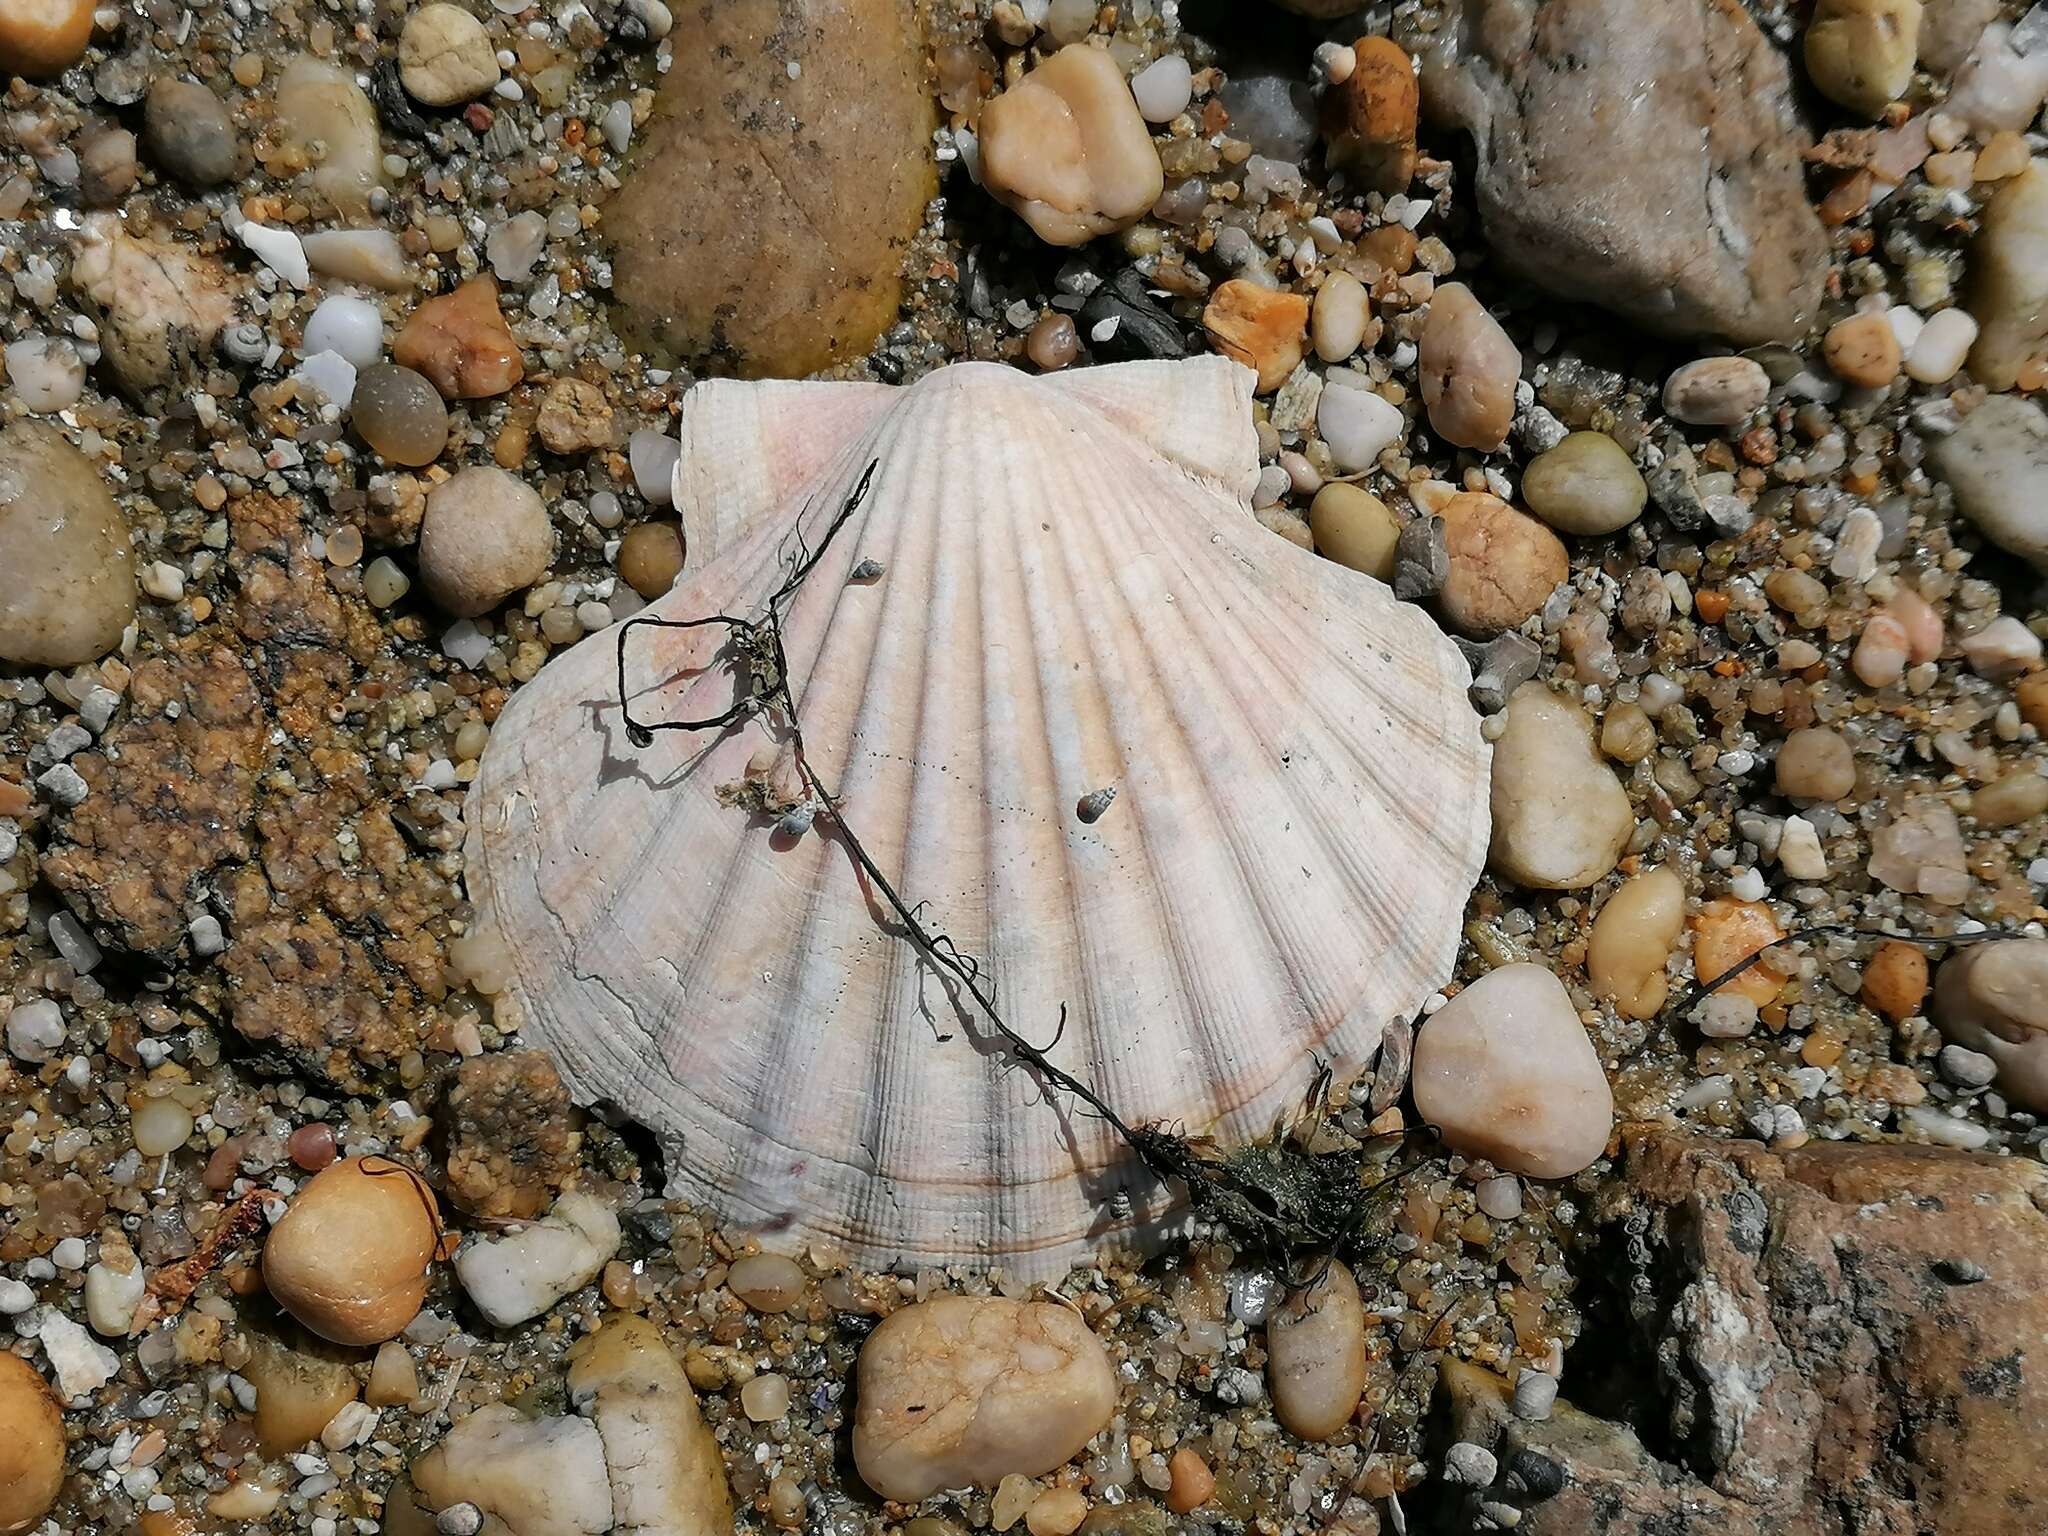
(330, 376)
(1162, 88)
(111, 1297)
(163, 581)
(1799, 850)
(45, 373)
(1356, 424)
(2002, 649)
(279, 250)
(15, 1298)
(1941, 346)
(1500, 1197)
(82, 1364)
(350, 327)
(465, 643)
(69, 1253)
(1747, 886)
(1906, 325)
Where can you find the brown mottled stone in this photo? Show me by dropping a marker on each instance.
(512, 1136)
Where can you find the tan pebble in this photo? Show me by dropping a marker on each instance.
(1056, 1512)
(65, 547)
(1504, 564)
(1632, 938)
(1586, 485)
(1919, 622)
(445, 57)
(2020, 796)
(485, 536)
(1263, 328)
(1560, 816)
(1725, 933)
(1338, 317)
(1369, 117)
(766, 1282)
(41, 38)
(461, 342)
(2008, 291)
(1795, 592)
(650, 558)
(1864, 351)
(1015, 1495)
(1627, 734)
(298, 1392)
(1355, 528)
(32, 1450)
(394, 1379)
(1860, 53)
(1315, 1348)
(1469, 370)
(1993, 998)
(1816, 763)
(350, 1256)
(1052, 344)
(2031, 694)
(1717, 391)
(1068, 151)
(1880, 657)
(1193, 1482)
(574, 417)
(766, 1398)
(1895, 980)
(398, 412)
(1287, 523)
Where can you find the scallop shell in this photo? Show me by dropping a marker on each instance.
(1073, 596)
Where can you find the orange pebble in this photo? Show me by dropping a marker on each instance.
(1895, 981)
(1727, 932)
(1193, 1482)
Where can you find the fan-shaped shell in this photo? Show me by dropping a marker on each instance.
(1073, 596)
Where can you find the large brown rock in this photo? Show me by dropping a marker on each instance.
(1640, 157)
(779, 183)
(1835, 1341)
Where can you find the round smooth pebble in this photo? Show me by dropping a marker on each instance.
(1633, 938)
(159, 1126)
(1560, 816)
(445, 57)
(71, 570)
(1816, 764)
(187, 131)
(1860, 53)
(651, 557)
(765, 1398)
(1587, 485)
(1864, 350)
(1717, 391)
(41, 38)
(399, 414)
(1895, 980)
(349, 1257)
(1355, 528)
(35, 1029)
(766, 1282)
(485, 536)
(1052, 343)
(1315, 1355)
(1505, 1071)
(1992, 998)
(1338, 317)
(1355, 423)
(1469, 370)
(1162, 88)
(45, 373)
(32, 1450)
(348, 327)
(1940, 349)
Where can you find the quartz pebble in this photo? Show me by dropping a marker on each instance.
(460, 342)
(445, 57)
(1920, 852)
(1996, 463)
(1025, 1386)
(1816, 763)
(1943, 344)
(325, 117)
(187, 131)
(1469, 370)
(32, 1450)
(1992, 998)
(651, 557)
(1338, 317)
(1355, 528)
(1560, 816)
(349, 327)
(113, 1291)
(71, 571)
(668, 1477)
(1633, 938)
(766, 1282)
(1066, 148)
(1864, 350)
(1505, 1071)
(653, 457)
(1586, 485)
(372, 257)
(2008, 293)
(45, 373)
(551, 1472)
(1717, 391)
(1315, 1355)
(519, 1276)
(35, 1030)
(1504, 564)
(1355, 422)
(349, 1258)
(399, 414)
(43, 38)
(1162, 88)
(160, 302)
(81, 1364)
(1860, 53)
(1264, 328)
(2003, 649)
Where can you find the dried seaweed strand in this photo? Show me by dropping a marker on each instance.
(1281, 1201)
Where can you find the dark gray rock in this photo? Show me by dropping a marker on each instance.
(189, 133)
(1142, 329)
(1422, 559)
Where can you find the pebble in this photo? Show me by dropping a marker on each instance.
(1369, 117)
(2003, 649)
(1965, 1068)
(43, 38)
(1355, 528)
(511, 1466)
(517, 1277)
(399, 414)
(277, 249)
(1633, 938)
(1355, 422)
(32, 1451)
(1163, 88)
(1025, 1386)
(1860, 53)
(1864, 350)
(1996, 463)
(1271, 112)
(485, 536)
(2003, 83)
(81, 1363)
(112, 1294)
(384, 583)
(1051, 343)
(1939, 351)
(1315, 1355)
(1717, 391)
(1505, 1071)
(1816, 763)
(764, 1399)
(653, 457)
(574, 417)
(1338, 316)
(1504, 564)
(45, 373)
(445, 57)
(460, 342)
(1992, 998)
(326, 376)
(1264, 328)
(350, 1256)
(2008, 293)
(349, 327)
(1587, 485)
(1499, 1197)
(1800, 854)
(766, 1282)
(1066, 148)
(187, 131)
(2019, 796)
(324, 116)
(1920, 852)
(1560, 816)
(1470, 1464)
(1469, 370)
(35, 1030)
(71, 587)
(159, 1125)
(1191, 1483)
(1726, 932)
(372, 257)
(651, 557)
(628, 1382)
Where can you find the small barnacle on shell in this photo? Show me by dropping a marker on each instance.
(1091, 806)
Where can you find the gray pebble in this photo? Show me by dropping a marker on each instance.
(63, 785)
(1470, 1464)
(1499, 667)
(62, 742)
(205, 933)
(97, 708)
(189, 134)
(1961, 1271)
(1422, 559)
(459, 1520)
(1966, 1068)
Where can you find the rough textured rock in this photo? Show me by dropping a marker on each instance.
(512, 1135)
(1996, 463)
(65, 548)
(805, 184)
(531, 1477)
(667, 1475)
(1644, 158)
(967, 1390)
(1824, 1364)
(460, 341)
(160, 304)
